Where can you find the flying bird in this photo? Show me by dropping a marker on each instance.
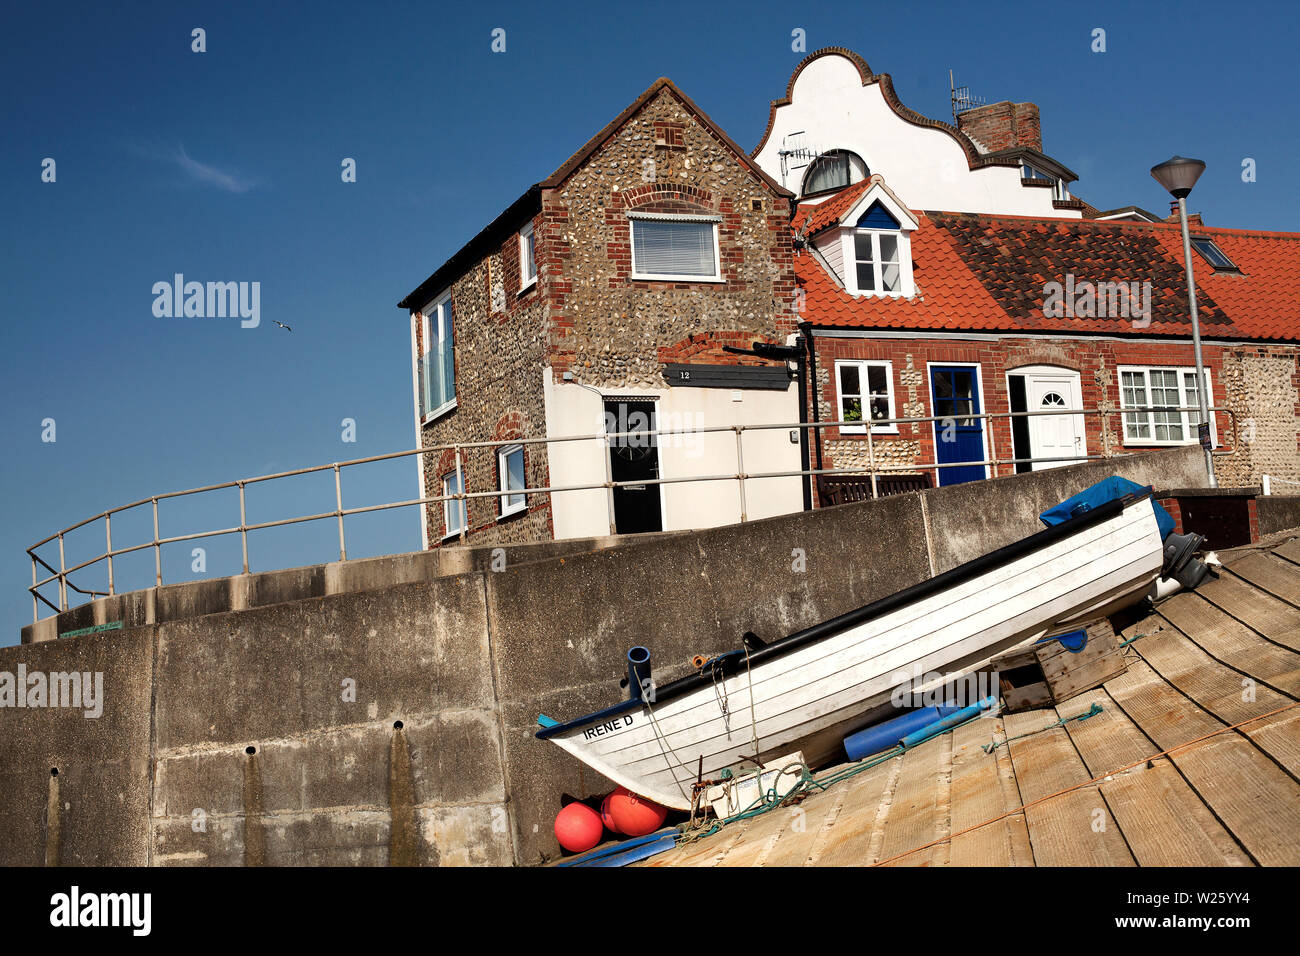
(283, 326)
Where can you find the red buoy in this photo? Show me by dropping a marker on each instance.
(578, 828)
(605, 818)
(632, 815)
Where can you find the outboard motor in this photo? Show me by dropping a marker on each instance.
(1179, 561)
(638, 674)
(1181, 569)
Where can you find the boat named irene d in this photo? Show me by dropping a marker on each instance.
(807, 690)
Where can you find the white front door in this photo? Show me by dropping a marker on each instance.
(1054, 436)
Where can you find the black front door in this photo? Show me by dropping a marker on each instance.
(634, 458)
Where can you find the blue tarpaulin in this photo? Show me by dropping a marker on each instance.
(1108, 489)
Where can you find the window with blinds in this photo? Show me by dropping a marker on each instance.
(674, 249)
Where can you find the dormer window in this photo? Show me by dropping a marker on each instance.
(1029, 172)
(834, 170)
(1033, 175)
(1213, 254)
(880, 253)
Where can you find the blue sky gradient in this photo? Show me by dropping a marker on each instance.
(225, 166)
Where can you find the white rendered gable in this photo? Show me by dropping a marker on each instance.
(832, 109)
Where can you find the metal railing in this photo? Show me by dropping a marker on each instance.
(740, 476)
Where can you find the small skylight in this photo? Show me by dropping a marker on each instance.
(1213, 255)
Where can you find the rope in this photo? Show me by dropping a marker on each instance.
(1086, 783)
(667, 749)
(753, 719)
(720, 693)
(1092, 712)
(769, 799)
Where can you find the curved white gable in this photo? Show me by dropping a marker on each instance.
(926, 167)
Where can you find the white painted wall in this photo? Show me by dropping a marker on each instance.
(574, 410)
(925, 167)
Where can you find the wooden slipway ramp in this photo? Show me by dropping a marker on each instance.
(1194, 759)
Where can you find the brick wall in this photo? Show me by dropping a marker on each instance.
(1259, 383)
(586, 314)
(606, 326)
(500, 348)
(1003, 126)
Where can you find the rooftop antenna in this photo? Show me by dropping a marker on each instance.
(796, 152)
(962, 98)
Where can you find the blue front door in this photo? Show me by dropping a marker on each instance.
(957, 436)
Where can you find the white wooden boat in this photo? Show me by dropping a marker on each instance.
(813, 687)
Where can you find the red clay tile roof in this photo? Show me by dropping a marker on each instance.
(828, 212)
(978, 272)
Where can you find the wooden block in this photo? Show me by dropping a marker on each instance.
(1092, 674)
(1029, 697)
(1068, 673)
(1017, 658)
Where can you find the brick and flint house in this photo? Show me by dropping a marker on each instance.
(923, 269)
(652, 248)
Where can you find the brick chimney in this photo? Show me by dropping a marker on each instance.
(1193, 218)
(1004, 125)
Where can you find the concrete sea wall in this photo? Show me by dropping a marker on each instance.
(383, 712)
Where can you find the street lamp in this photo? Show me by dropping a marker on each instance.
(1178, 175)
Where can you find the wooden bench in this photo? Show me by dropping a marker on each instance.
(838, 489)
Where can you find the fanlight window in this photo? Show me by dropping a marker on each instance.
(834, 170)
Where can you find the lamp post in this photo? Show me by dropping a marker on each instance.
(1178, 175)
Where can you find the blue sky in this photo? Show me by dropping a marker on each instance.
(225, 166)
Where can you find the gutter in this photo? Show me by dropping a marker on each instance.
(523, 208)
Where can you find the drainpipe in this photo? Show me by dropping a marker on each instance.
(806, 329)
(801, 369)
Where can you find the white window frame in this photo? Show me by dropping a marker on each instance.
(1059, 192)
(850, 252)
(862, 365)
(635, 217)
(527, 259)
(1188, 419)
(419, 438)
(505, 508)
(449, 504)
(439, 315)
